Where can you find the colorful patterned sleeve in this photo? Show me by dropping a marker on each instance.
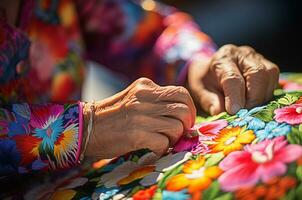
(39, 137)
(148, 38)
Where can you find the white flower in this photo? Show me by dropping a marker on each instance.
(165, 164)
(110, 179)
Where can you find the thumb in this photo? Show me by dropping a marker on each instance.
(211, 101)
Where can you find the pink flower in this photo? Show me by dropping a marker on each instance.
(43, 115)
(261, 161)
(205, 132)
(292, 86)
(290, 114)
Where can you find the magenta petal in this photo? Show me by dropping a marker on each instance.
(234, 159)
(185, 144)
(270, 170)
(40, 114)
(289, 153)
(244, 175)
(288, 114)
(210, 128)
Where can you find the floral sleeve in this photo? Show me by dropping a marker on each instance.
(150, 40)
(39, 137)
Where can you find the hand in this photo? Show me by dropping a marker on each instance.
(144, 115)
(234, 78)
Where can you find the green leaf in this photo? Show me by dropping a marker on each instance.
(222, 115)
(158, 195)
(299, 173)
(299, 191)
(288, 99)
(300, 128)
(295, 136)
(267, 113)
(227, 196)
(214, 159)
(290, 195)
(211, 192)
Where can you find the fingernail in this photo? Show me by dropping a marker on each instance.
(235, 108)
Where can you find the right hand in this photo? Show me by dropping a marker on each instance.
(144, 115)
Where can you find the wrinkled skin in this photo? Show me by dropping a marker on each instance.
(234, 78)
(144, 115)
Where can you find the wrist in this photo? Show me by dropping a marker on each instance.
(87, 114)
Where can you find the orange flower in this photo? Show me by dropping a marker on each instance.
(195, 177)
(232, 139)
(145, 194)
(299, 161)
(299, 100)
(276, 188)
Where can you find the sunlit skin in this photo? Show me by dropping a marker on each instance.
(146, 115)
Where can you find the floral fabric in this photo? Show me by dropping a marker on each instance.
(42, 60)
(255, 154)
(38, 137)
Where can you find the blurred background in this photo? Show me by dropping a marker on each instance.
(272, 27)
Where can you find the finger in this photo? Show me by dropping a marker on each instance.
(156, 142)
(177, 94)
(172, 128)
(147, 91)
(257, 80)
(273, 72)
(212, 102)
(177, 111)
(231, 82)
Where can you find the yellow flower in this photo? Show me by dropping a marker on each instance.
(195, 177)
(232, 139)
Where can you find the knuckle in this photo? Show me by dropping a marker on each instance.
(225, 52)
(246, 49)
(228, 48)
(144, 81)
(274, 69)
(140, 90)
(182, 90)
(256, 70)
(231, 76)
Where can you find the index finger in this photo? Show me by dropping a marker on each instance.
(177, 94)
(232, 83)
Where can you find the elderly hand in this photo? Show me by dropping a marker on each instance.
(234, 78)
(144, 115)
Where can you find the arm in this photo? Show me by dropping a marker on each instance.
(32, 137)
(157, 43)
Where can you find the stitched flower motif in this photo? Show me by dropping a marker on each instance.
(245, 118)
(180, 195)
(53, 141)
(258, 162)
(195, 176)
(273, 129)
(147, 167)
(145, 194)
(290, 114)
(275, 188)
(231, 139)
(205, 132)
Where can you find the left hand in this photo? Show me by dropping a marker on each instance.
(233, 78)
